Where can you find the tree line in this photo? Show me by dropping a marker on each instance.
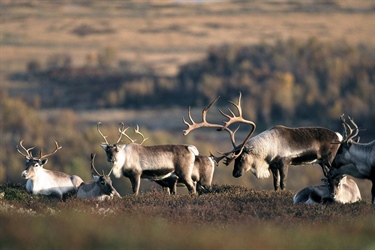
(286, 80)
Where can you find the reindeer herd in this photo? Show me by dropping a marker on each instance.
(269, 153)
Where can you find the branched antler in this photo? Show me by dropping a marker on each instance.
(348, 137)
(28, 154)
(56, 149)
(139, 133)
(104, 137)
(237, 150)
(122, 131)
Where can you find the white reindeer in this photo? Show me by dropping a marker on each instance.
(339, 190)
(47, 182)
(100, 188)
(274, 149)
(354, 158)
(150, 162)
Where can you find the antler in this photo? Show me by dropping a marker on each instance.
(349, 136)
(138, 132)
(122, 131)
(231, 155)
(234, 119)
(104, 137)
(92, 164)
(204, 122)
(28, 154)
(45, 156)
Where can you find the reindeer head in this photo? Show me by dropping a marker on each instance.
(103, 181)
(241, 153)
(34, 164)
(115, 152)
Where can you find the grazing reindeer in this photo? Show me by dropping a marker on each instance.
(353, 158)
(47, 182)
(274, 149)
(202, 175)
(150, 162)
(341, 190)
(100, 188)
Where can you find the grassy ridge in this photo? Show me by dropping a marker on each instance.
(231, 217)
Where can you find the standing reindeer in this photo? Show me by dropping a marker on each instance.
(150, 162)
(202, 175)
(47, 182)
(354, 158)
(274, 149)
(100, 188)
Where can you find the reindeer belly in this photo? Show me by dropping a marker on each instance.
(307, 157)
(157, 174)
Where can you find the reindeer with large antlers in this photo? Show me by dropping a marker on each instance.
(100, 187)
(354, 158)
(47, 182)
(275, 149)
(158, 162)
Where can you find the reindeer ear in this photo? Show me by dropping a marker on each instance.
(95, 177)
(43, 161)
(247, 149)
(104, 146)
(121, 146)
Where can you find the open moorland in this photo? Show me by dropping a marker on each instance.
(231, 217)
(65, 65)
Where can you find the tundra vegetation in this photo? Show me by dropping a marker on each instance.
(231, 217)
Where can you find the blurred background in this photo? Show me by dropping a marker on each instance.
(66, 65)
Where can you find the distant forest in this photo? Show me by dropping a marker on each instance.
(286, 80)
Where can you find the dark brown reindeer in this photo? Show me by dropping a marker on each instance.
(354, 158)
(150, 162)
(274, 149)
(47, 182)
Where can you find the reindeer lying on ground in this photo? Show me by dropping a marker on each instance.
(353, 158)
(100, 188)
(274, 149)
(202, 175)
(150, 162)
(47, 182)
(340, 190)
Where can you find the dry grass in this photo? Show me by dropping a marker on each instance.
(231, 217)
(168, 35)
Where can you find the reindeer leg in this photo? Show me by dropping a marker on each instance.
(136, 181)
(283, 175)
(276, 178)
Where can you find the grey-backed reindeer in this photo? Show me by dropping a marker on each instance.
(340, 190)
(157, 162)
(354, 158)
(47, 182)
(274, 149)
(202, 175)
(100, 188)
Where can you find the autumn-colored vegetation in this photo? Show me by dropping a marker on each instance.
(288, 80)
(231, 217)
